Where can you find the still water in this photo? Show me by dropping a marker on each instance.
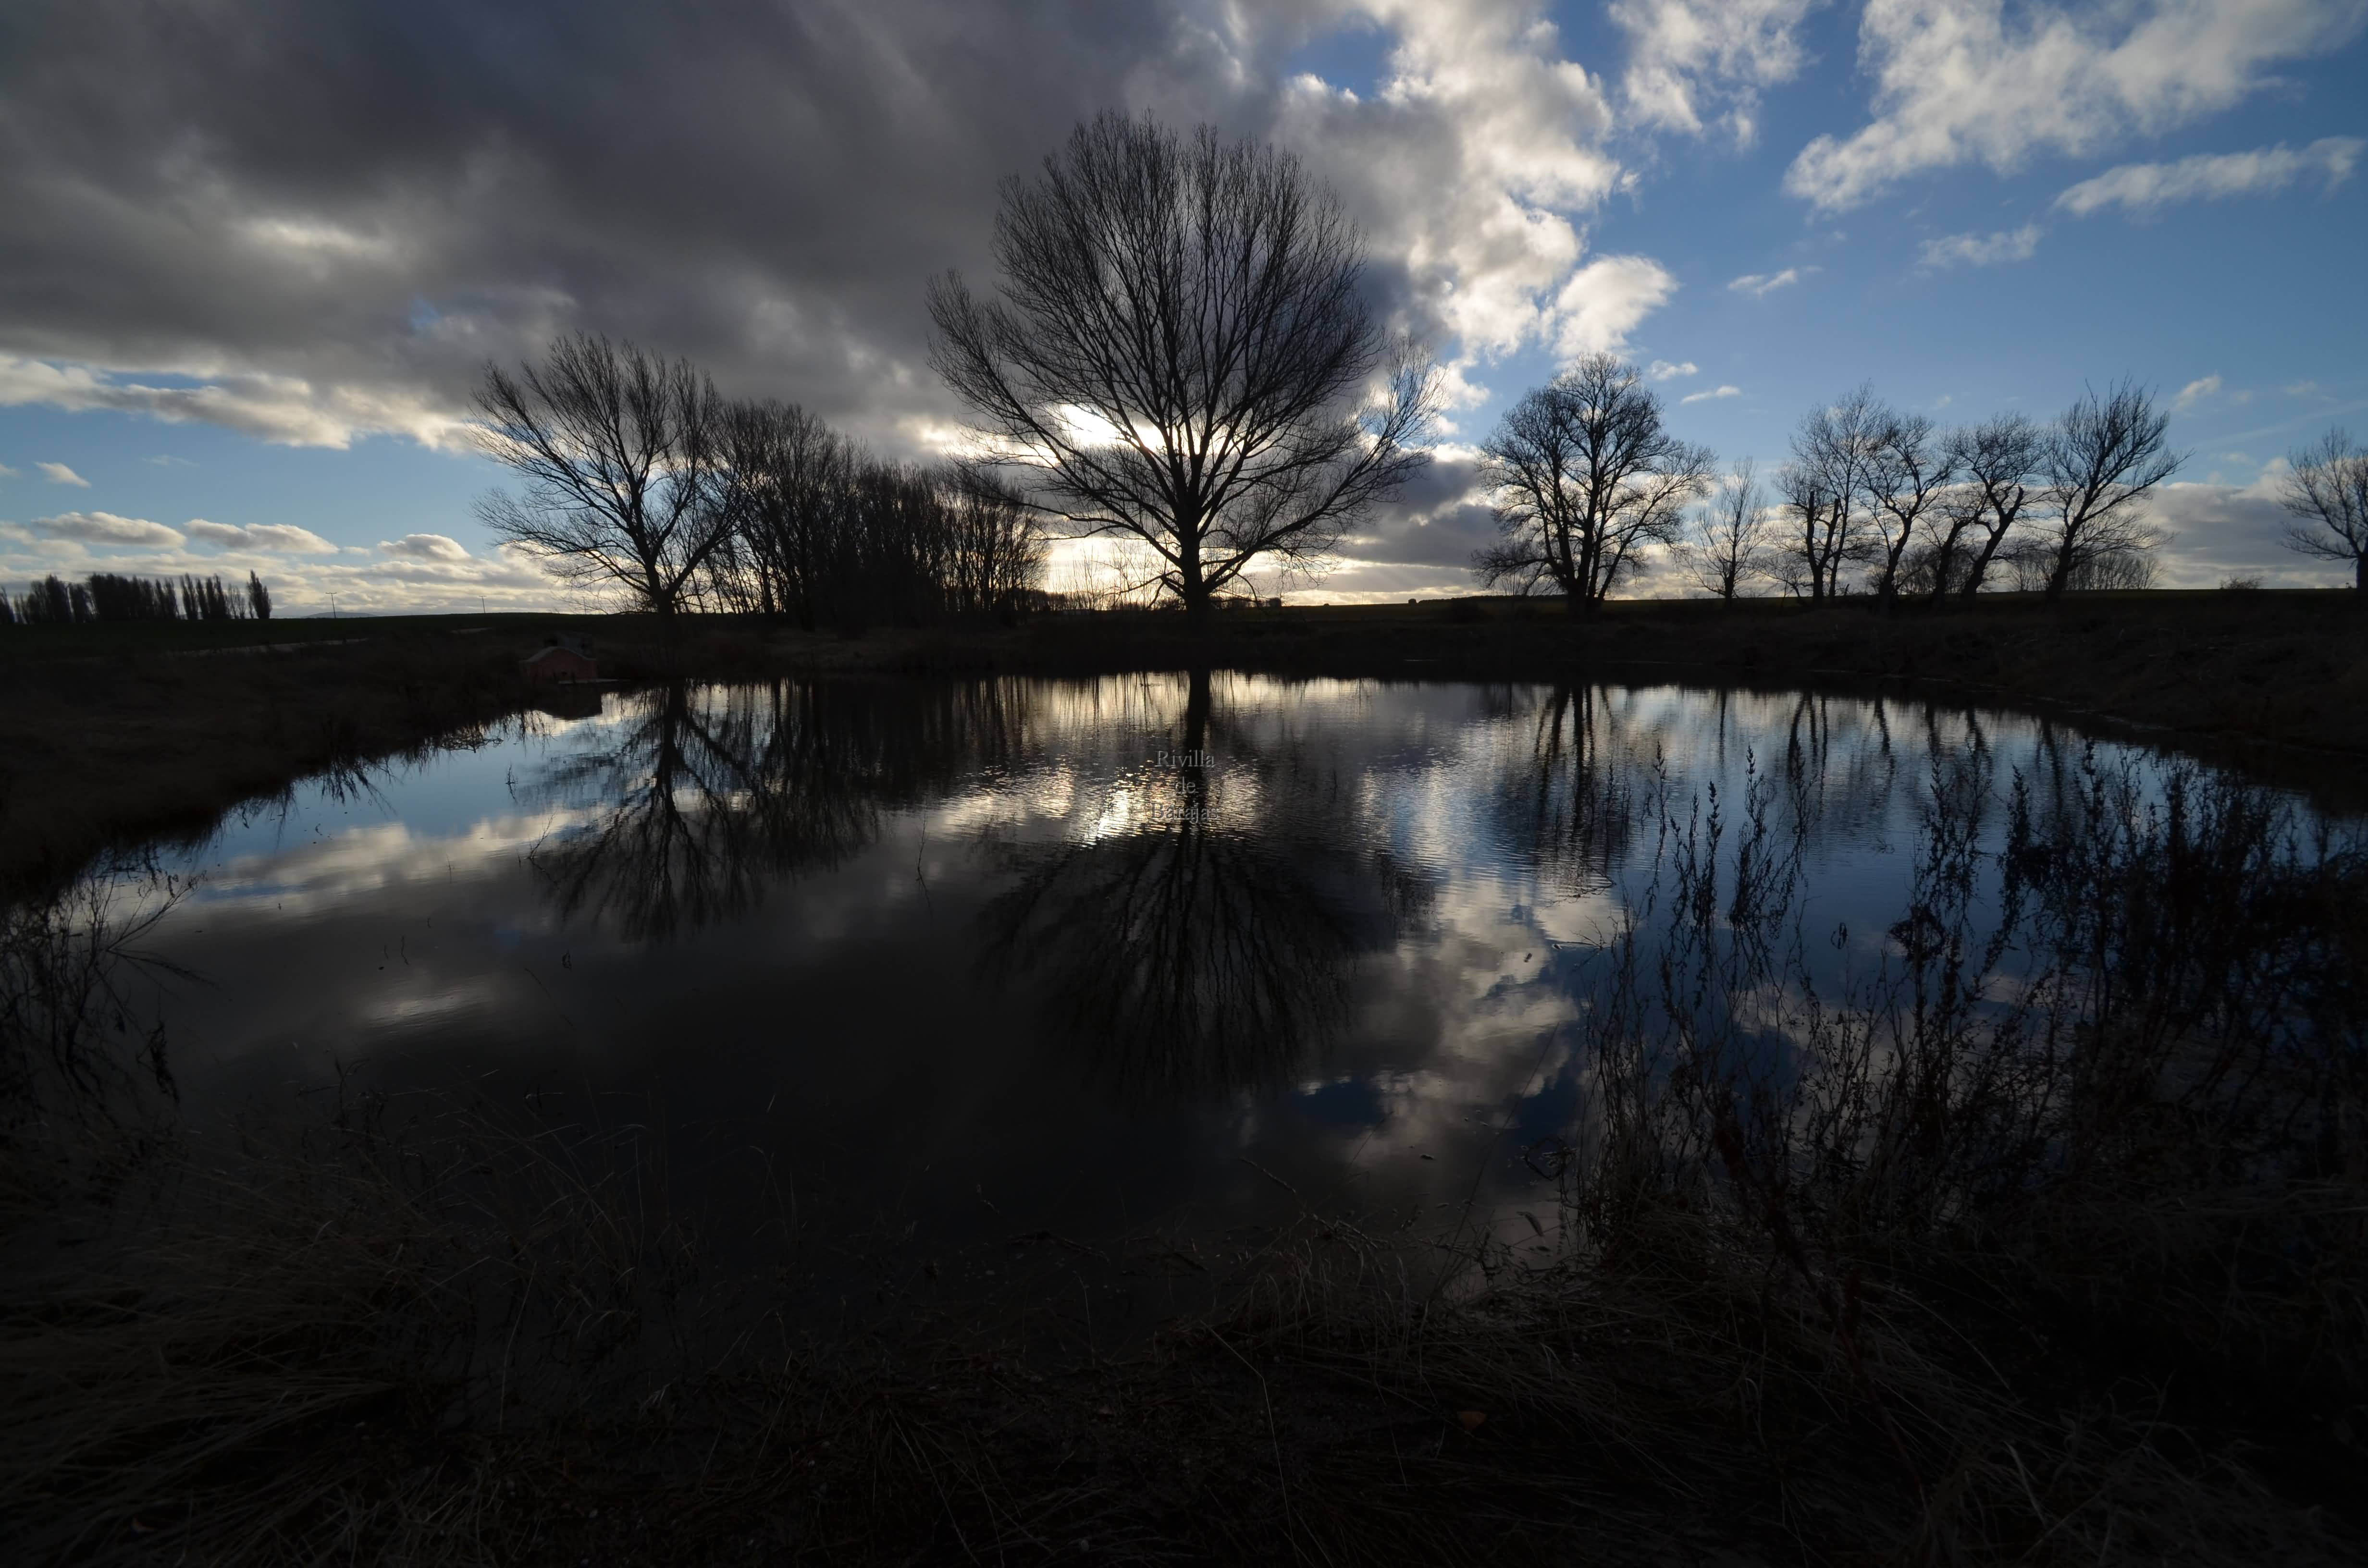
(941, 962)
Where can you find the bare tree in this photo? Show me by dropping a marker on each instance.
(1584, 475)
(1826, 488)
(790, 476)
(2103, 457)
(1809, 521)
(1997, 458)
(1181, 353)
(997, 550)
(618, 455)
(1908, 472)
(1726, 542)
(2326, 490)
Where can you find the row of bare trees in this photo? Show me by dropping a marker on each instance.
(1180, 354)
(637, 475)
(1927, 512)
(1586, 476)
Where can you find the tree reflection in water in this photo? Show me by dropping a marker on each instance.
(1570, 800)
(707, 795)
(1202, 946)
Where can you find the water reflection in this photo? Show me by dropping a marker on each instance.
(698, 799)
(940, 948)
(1572, 802)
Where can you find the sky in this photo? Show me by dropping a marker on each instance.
(255, 254)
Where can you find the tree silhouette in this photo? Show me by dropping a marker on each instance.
(1584, 475)
(1180, 353)
(2326, 490)
(619, 453)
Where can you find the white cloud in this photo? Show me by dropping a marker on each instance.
(2223, 531)
(1760, 284)
(59, 473)
(285, 410)
(1662, 370)
(6, 472)
(1958, 82)
(1605, 300)
(1694, 62)
(106, 528)
(1714, 393)
(426, 547)
(285, 537)
(2214, 176)
(1467, 167)
(1981, 250)
(1473, 165)
(2195, 391)
(2304, 389)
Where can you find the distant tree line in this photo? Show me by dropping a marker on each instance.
(637, 474)
(1878, 500)
(110, 597)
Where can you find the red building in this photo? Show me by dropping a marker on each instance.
(560, 665)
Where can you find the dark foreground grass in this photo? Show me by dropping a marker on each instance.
(2042, 1242)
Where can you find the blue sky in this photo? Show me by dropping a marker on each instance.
(273, 328)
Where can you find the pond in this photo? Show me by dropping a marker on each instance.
(928, 965)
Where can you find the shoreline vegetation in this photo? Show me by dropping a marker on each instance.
(2052, 1261)
(114, 733)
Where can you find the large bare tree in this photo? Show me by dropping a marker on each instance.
(2326, 490)
(2103, 457)
(1180, 352)
(618, 453)
(1998, 458)
(1585, 475)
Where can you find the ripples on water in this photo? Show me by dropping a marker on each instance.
(940, 961)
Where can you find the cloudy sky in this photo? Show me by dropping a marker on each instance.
(253, 253)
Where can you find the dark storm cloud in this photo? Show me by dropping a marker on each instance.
(1439, 520)
(369, 201)
(309, 223)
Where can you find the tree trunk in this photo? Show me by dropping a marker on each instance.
(2060, 577)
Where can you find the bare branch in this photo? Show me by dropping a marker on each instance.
(1726, 545)
(2327, 491)
(1585, 475)
(1179, 353)
(618, 455)
(2102, 459)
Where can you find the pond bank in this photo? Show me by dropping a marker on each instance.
(111, 736)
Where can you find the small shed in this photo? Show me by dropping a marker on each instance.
(561, 666)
